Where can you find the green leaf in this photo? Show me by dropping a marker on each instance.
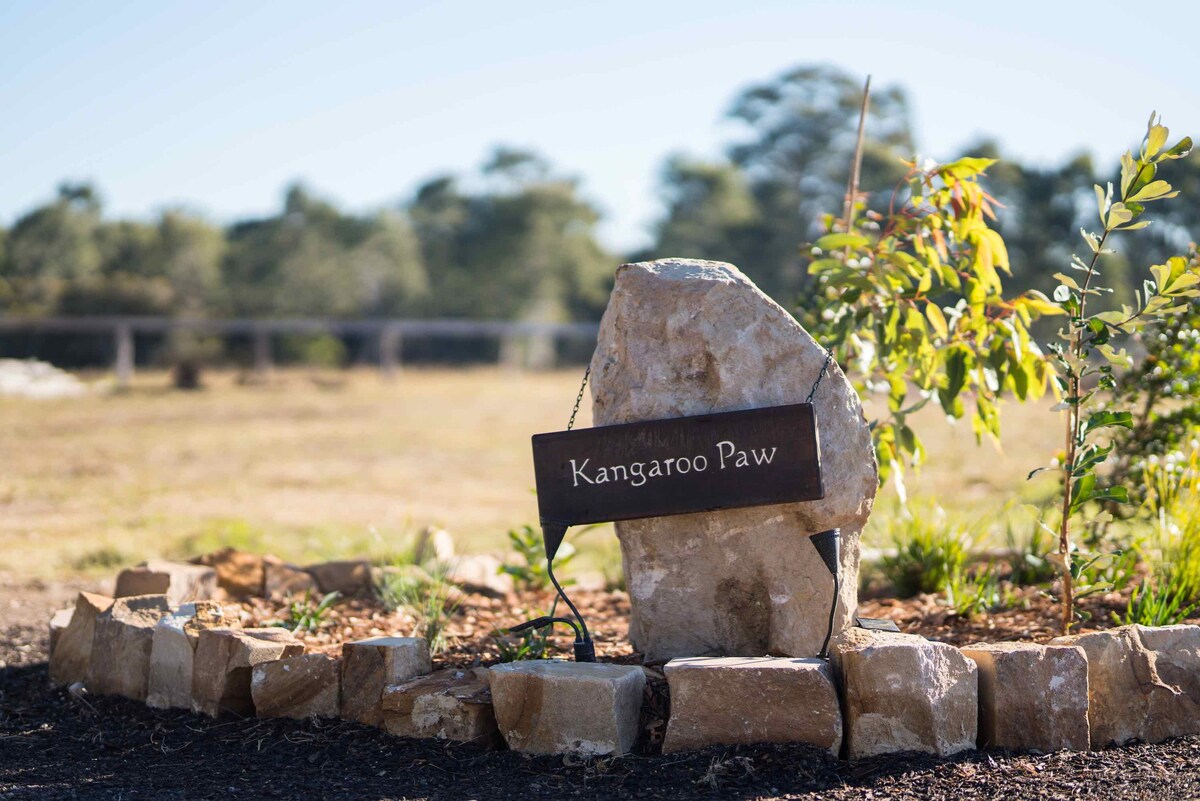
(1181, 149)
(1106, 419)
(1068, 280)
(836, 241)
(938, 320)
(1155, 139)
(1117, 357)
(1154, 191)
(1118, 215)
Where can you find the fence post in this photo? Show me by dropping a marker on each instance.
(125, 355)
(391, 343)
(262, 352)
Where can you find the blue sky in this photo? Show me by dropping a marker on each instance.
(217, 105)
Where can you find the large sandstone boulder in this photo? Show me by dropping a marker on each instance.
(1031, 697)
(684, 337)
(905, 693)
(1143, 683)
(743, 700)
(124, 635)
(553, 707)
(72, 651)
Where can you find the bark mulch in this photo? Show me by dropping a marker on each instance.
(53, 745)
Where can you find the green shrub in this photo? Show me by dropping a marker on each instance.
(971, 594)
(1158, 605)
(106, 557)
(526, 645)
(427, 596)
(1029, 556)
(305, 614)
(531, 573)
(929, 552)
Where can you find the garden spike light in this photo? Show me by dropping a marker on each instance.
(585, 649)
(828, 544)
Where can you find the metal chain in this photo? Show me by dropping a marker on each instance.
(821, 375)
(579, 397)
(588, 372)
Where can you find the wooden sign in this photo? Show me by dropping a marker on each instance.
(679, 466)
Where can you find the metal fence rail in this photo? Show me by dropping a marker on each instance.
(389, 332)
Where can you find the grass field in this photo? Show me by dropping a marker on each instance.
(312, 467)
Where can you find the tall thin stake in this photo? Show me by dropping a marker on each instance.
(856, 167)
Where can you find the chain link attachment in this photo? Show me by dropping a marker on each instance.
(579, 398)
(588, 372)
(820, 375)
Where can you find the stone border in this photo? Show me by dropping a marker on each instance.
(880, 693)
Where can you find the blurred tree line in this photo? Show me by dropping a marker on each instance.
(517, 240)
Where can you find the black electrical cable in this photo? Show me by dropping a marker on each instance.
(563, 595)
(837, 588)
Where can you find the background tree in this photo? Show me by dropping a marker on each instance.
(50, 248)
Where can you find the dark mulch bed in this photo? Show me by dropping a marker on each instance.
(55, 746)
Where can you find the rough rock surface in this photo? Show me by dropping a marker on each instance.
(120, 663)
(173, 653)
(734, 699)
(368, 666)
(684, 337)
(58, 624)
(448, 705)
(552, 707)
(224, 660)
(239, 573)
(1143, 682)
(72, 651)
(346, 577)
(298, 687)
(480, 572)
(281, 580)
(904, 693)
(1031, 697)
(434, 544)
(180, 582)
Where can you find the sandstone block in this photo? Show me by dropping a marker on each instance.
(1143, 682)
(434, 544)
(732, 700)
(58, 624)
(905, 693)
(368, 666)
(346, 577)
(684, 337)
(1032, 697)
(173, 653)
(224, 661)
(480, 572)
(282, 580)
(447, 705)
(72, 651)
(121, 644)
(298, 687)
(552, 707)
(178, 581)
(239, 573)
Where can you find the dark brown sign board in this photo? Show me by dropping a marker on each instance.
(678, 466)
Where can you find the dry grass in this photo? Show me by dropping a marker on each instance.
(314, 469)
